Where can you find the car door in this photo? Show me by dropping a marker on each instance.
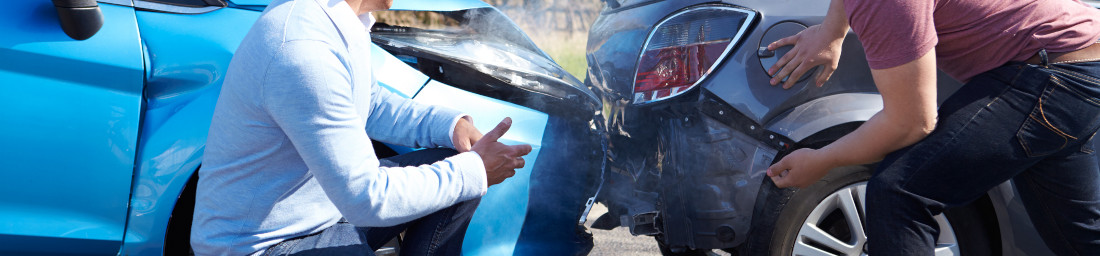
(69, 115)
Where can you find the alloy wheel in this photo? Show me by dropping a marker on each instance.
(835, 226)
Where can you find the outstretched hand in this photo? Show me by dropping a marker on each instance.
(501, 161)
(815, 46)
(801, 168)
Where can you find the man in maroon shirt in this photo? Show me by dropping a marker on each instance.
(1028, 111)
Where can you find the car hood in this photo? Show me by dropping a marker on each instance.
(417, 5)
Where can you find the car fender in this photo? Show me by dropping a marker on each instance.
(186, 58)
(825, 112)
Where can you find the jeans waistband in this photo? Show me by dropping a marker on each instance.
(1083, 77)
(1019, 75)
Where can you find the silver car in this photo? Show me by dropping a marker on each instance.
(692, 123)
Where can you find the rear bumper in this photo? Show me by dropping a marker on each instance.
(690, 172)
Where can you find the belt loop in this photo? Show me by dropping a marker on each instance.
(1043, 60)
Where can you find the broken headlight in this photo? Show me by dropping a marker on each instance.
(463, 48)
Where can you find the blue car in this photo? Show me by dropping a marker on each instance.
(105, 107)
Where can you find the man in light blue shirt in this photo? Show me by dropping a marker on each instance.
(289, 166)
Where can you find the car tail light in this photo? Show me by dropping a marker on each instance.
(685, 47)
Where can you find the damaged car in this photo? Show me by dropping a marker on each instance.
(692, 124)
(106, 106)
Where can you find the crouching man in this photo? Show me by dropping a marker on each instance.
(289, 168)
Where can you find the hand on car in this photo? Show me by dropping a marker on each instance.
(801, 168)
(815, 46)
(501, 161)
(465, 135)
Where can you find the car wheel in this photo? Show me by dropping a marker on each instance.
(828, 217)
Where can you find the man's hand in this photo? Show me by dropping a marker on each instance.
(800, 169)
(500, 160)
(465, 135)
(816, 46)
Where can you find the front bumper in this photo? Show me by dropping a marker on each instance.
(535, 211)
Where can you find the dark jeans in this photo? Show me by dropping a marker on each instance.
(1031, 124)
(439, 233)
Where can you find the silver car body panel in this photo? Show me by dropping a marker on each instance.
(826, 112)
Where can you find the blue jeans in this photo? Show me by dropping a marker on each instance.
(439, 233)
(1031, 124)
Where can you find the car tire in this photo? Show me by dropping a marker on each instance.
(795, 222)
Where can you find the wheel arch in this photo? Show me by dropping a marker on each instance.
(813, 117)
(177, 237)
(770, 200)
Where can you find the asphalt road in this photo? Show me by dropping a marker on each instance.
(618, 241)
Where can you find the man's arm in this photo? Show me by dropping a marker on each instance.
(403, 121)
(908, 115)
(408, 120)
(307, 91)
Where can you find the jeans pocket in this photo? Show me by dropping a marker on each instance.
(1038, 139)
(1087, 148)
(1062, 116)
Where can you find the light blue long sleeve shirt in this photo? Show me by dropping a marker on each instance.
(288, 153)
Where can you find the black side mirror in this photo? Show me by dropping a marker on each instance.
(80, 19)
(612, 3)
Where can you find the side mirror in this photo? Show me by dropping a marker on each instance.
(612, 3)
(80, 19)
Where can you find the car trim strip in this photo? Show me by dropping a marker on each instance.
(153, 6)
(127, 3)
(715, 108)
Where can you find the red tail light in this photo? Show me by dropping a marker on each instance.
(684, 48)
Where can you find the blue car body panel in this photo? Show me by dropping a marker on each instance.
(496, 225)
(188, 56)
(400, 78)
(71, 111)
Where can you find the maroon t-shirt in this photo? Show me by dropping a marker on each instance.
(970, 36)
